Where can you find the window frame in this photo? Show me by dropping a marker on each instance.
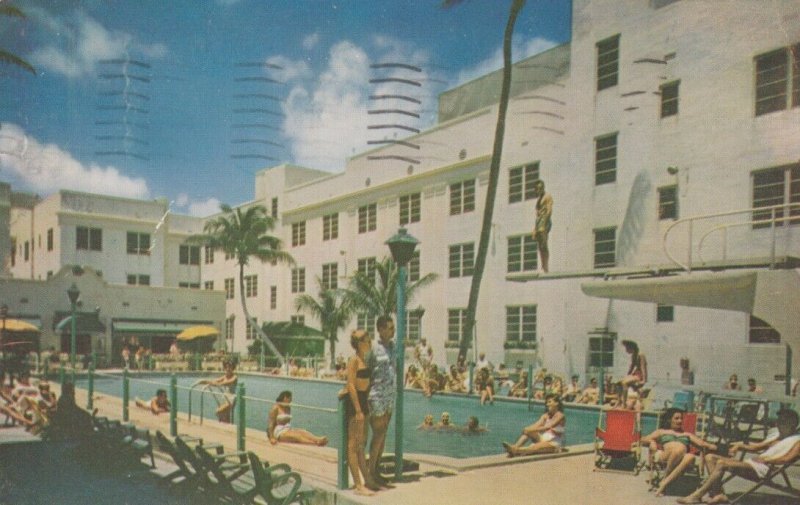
(410, 208)
(789, 185)
(456, 322)
(251, 286)
(670, 101)
(771, 336)
(367, 218)
(458, 264)
(299, 280)
(607, 75)
(462, 197)
(664, 205)
(527, 251)
(518, 313)
(136, 246)
(605, 168)
(330, 227)
(189, 255)
(299, 234)
(230, 288)
(787, 85)
(521, 181)
(599, 264)
(330, 276)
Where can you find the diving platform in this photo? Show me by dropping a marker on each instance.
(773, 263)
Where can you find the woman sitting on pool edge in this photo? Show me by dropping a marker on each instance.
(546, 434)
(279, 428)
(675, 445)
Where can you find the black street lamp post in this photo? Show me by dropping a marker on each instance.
(73, 292)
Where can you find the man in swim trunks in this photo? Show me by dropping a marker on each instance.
(382, 365)
(541, 230)
(778, 450)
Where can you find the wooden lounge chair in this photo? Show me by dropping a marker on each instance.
(184, 475)
(278, 485)
(619, 441)
(204, 479)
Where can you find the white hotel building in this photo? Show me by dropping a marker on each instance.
(656, 111)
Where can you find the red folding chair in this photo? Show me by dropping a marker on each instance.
(619, 442)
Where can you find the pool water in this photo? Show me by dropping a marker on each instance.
(504, 420)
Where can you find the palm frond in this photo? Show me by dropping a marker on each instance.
(6, 57)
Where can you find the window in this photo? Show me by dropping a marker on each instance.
(365, 322)
(301, 320)
(367, 218)
(522, 254)
(250, 329)
(665, 313)
(273, 297)
(189, 255)
(605, 240)
(413, 326)
(229, 328)
(462, 260)
(521, 323)
(520, 182)
(762, 333)
(776, 186)
(209, 254)
(13, 251)
(605, 159)
(299, 280)
(138, 243)
(601, 351)
(49, 274)
(27, 249)
(462, 197)
(330, 273)
(138, 279)
(778, 80)
(456, 321)
(275, 208)
(189, 285)
(668, 202)
(413, 267)
(330, 227)
(366, 266)
(669, 98)
(607, 63)
(209, 285)
(49, 239)
(88, 239)
(298, 234)
(410, 208)
(229, 288)
(228, 256)
(250, 286)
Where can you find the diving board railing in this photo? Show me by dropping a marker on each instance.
(757, 231)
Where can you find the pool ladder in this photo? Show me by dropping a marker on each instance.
(203, 389)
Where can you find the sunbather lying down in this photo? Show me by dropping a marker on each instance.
(777, 450)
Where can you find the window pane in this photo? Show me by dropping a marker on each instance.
(515, 185)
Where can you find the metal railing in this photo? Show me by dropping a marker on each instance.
(775, 217)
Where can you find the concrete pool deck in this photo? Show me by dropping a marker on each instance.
(566, 478)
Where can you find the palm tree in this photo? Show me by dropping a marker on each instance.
(494, 175)
(333, 311)
(243, 234)
(377, 295)
(5, 56)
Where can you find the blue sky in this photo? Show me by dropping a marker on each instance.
(186, 99)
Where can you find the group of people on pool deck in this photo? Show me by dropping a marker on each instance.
(670, 446)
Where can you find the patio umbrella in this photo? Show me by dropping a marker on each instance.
(194, 332)
(17, 325)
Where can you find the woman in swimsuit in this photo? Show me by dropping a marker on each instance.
(279, 428)
(226, 385)
(546, 434)
(674, 446)
(356, 409)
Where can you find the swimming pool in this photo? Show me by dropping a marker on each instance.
(505, 419)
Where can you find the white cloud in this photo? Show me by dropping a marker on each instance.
(204, 208)
(326, 119)
(519, 50)
(310, 41)
(182, 200)
(85, 43)
(290, 69)
(46, 168)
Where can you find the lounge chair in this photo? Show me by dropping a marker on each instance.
(619, 441)
(184, 475)
(690, 425)
(204, 479)
(769, 480)
(277, 485)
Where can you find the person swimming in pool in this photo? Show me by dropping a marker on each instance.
(279, 428)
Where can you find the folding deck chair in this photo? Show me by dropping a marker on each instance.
(691, 424)
(769, 481)
(619, 441)
(278, 485)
